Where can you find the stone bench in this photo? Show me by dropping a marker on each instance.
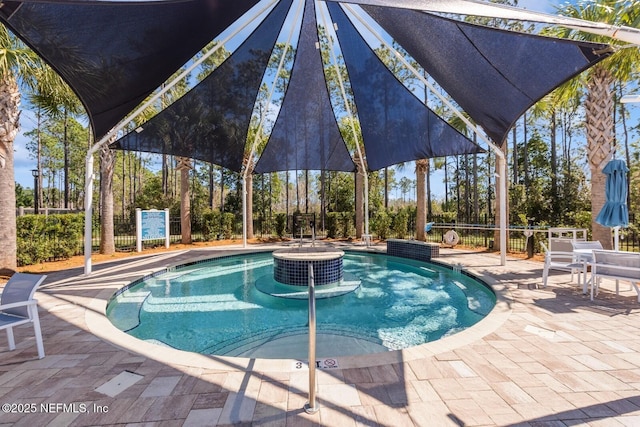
(413, 249)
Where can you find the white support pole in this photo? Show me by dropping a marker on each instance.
(366, 206)
(167, 229)
(88, 212)
(138, 230)
(244, 211)
(311, 407)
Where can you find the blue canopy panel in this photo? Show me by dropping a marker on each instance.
(211, 122)
(114, 54)
(396, 125)
(306, 135)
(493, 75)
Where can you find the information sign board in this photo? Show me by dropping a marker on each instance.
(152, 225)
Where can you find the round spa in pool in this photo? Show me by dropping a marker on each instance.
(232, 306)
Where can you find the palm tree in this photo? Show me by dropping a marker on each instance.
(599, 103)
(16, 62)
(107, 166)
(422, 170)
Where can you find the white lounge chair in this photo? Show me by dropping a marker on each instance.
(17, 306)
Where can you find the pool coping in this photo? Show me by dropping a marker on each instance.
(99, 325)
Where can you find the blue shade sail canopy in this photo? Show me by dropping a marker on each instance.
(306, 135)
(615, 212)
(493, 75)
(396, 126)
(114, 54)
(211, 122)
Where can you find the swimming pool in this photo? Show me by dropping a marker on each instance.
(214, 307)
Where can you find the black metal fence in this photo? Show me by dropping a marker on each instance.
(483, 235)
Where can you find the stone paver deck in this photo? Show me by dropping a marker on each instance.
(544, 357)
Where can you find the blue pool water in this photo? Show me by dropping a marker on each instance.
(214, 308)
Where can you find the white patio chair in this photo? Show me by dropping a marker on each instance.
(583, 251)
(590, 244)
(563, 259)
(17, 306)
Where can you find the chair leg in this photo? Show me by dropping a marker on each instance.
(635, 286)
(545, 274)
(12, 341)
(36, 330)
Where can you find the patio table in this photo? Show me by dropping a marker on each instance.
(584, 257)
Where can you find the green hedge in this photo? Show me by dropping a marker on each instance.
(381, 224)
(281, 224)
(400, 223)
(214, 224)
(340, 224)
(49, 237)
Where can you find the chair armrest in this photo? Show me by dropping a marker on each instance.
(18, 304)
(561, 253)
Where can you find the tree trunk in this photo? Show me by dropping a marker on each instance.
(297, 192)
(66, 160)
(211, 186)
(555, 205)
(165, 174)
(306, 191)
(107, 164)
(525, 153)
(514, 156)
(476, 199)
(600, 132)
(422, 166)
(446, 185)
(250, 205)
(496, 234)
(184, 166)
(457, 178)
(359, 196)
(39, 161)
(428, 189)
(286, 208)
(625, 131)
(323, 201)
(467, 189)
(386, 187)
(9, 127)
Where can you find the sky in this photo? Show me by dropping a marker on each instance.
(24, 164)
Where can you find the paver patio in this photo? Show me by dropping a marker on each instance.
(544, 357)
